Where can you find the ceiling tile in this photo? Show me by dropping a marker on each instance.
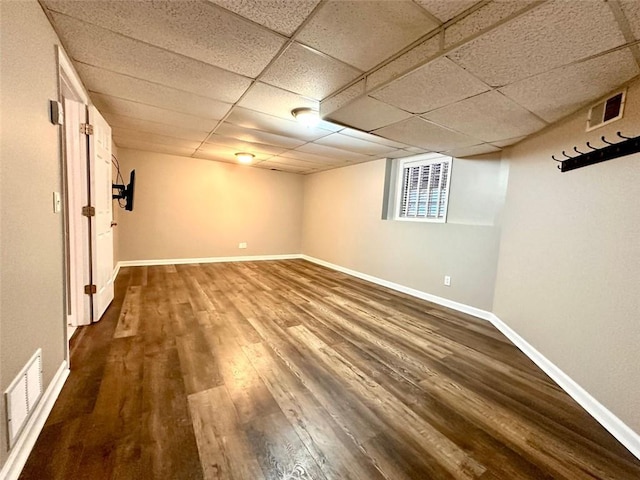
(275, 101)
(631, 10)
(307, 72)
(96, 46)
(421, 133)
(558, 93)
(106, 103)
(137, 124)
(310, 157)
(283, 167)
(331, 152)
(437, 84)
(242, 146)
(269, 123)
(414, 58)
(344, 30)
(352, 144)
(152, 147)
(138, 136)
(367, 114)
(400, 153)
(341, 98)
(158, 97)
(557, 33)
(130, 88)
(417, 150)
(508, 141)
(446, 10)
(191, 28)
(362, 160)
(369, 137)
(489, 116)
(483, 18)
(471, 151)
(223, 154)
(274, 14)
(295, 162)
(257, 136)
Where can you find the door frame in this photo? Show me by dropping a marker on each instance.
(68, 80)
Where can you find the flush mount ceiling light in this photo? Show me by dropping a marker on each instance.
(243, 157)
(306, 116)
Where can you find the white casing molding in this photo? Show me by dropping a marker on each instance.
(21, 450)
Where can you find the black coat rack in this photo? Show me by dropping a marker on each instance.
(627, 146)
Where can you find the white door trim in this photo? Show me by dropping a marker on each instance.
(68, 80)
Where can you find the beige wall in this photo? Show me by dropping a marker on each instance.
(569, 270)
(192, 208)
(342, 225)
(31, 259)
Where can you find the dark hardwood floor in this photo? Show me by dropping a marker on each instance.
(286, 370)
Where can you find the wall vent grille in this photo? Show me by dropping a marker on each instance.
(22, 396)
(606, 111)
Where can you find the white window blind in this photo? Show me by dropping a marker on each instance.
(424, 189)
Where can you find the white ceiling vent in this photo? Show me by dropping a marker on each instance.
(606, 111)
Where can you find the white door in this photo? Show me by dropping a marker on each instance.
(78, 309)
(101, 229)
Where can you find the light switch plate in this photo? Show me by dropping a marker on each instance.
(56, 112)
(57, 202)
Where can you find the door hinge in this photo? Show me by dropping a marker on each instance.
(88, 211)
(86, 128)
(90, 289)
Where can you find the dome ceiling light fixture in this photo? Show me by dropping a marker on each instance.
(306, 116)
(243, 157)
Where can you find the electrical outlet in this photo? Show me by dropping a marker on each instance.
(242, 245)
(447, 280)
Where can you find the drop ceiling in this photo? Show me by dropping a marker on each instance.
(393, 78)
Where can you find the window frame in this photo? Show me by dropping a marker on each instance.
(420, 161)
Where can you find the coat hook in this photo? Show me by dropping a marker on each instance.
(621, 148)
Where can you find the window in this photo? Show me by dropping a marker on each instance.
(423, 188)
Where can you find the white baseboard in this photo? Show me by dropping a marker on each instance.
(621, 431)
(616, 427)
(21, 450)
(116, 271)
(183, 261)
(445, 302)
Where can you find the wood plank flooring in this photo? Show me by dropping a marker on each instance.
(285, 370)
